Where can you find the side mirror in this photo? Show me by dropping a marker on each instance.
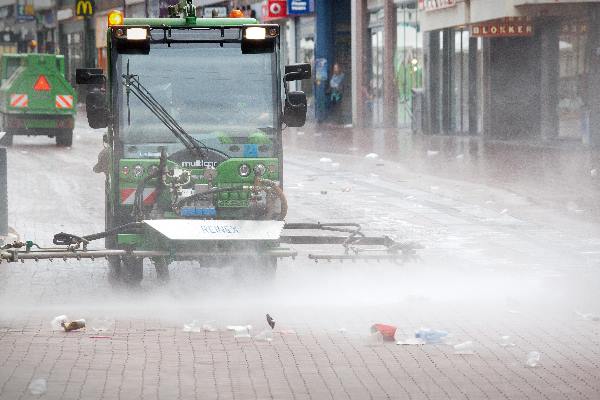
(294, 110)
(96, 110)
(89, 76)
(297, 72)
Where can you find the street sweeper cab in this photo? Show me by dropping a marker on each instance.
(194, 109)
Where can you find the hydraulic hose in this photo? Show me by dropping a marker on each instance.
(275, 187)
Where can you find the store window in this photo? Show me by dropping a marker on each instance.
(374, 90)
(408, 60)
(459, 82)
(573, 70)
(74, 56)
(305, 48)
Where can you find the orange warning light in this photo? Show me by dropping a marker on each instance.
(41, 85)
(235, 13)
(115, 17)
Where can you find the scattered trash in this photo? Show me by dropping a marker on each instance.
(588, 316)
(372, 156)
(287, 332)
(434, 188)
(38, 386)
(504, 211)
(506, 342)
(73, 325)
(513, 311)
(325, 160)
(411, 341)
(323, 191)
(100, 337)
(57, 322)
(380, 164)
(264, 336)
(465, 348)
(432, 153)
(208, 328)
(460, 156)
(342, 330)
(533, 359)
(573, 207)
(196, 327)
(300, 133)
(240, 331)
(386, 331)
(431, 335)
(101, 324)
(270, 321)
(24, 152)
(335, 165)
(372, 175)
(346, 189)
(192, 327)
(594, 172)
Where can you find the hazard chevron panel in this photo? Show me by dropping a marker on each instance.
(18, 100)
(128, 196)
(64, 101)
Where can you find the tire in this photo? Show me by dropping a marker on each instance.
(255, 269)
(64, 138)
(7, 140)
(162, 269)
(266, 268)
(114, 271)
(132, 270)
(114, 263)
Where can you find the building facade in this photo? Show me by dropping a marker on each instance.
(512, 70)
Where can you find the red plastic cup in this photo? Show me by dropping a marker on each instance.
(387, 331)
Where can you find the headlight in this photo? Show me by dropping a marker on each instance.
(255, 33)
(244, 170)
(259, 170)
(138, 170)
(137, 34)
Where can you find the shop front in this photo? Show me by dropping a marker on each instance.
(408, 60)
(71, 42)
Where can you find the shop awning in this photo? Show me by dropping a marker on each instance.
(457, 14)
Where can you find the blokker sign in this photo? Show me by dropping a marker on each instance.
(505, 27)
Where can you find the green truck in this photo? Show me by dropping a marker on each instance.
(194, 110)
(35, 97)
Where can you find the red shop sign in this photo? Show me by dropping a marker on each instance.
(505, 27)
(274, 9)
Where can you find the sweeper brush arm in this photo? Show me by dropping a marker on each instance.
(251, 235)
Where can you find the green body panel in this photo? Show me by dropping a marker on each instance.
(183, 22)
(20, 72)
(130, 239)
(227, 176)
(230, 205)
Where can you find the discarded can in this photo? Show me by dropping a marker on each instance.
(73, 325)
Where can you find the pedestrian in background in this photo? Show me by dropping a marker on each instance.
(336, 92)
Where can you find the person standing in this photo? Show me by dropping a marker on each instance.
(336, 92)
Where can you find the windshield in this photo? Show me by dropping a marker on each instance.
(212, 92)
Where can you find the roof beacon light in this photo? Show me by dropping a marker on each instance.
(235, 13)
(115, 17)
(256, 33)
(137, 34)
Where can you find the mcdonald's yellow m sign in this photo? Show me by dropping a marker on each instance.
(84, 8)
